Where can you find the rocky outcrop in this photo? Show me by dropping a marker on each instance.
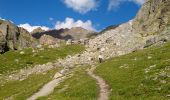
(14, 38)
(37, 31)
(48, 40)
(123, 39)
(153, 17)
(26, 40)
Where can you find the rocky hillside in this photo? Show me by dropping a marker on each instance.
(75, 33)
(153, 17)
(136, 34)
(109, 28)
(13, 37)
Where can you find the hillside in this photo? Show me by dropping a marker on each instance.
(135, 60)
(144, 74)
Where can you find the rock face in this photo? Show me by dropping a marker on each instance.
(153, 17)
(47, 40)
(14, 38)
(26, 40)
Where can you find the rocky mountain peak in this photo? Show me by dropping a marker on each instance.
(153, 17)
(37, 30)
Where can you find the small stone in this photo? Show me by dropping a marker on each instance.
(57, 75)
(149, 57)
(168, 95)
(22, 52)
(152, 66)
(16, 60)
(163, 81)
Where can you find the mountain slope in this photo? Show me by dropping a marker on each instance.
(140, 75)
(131, 36)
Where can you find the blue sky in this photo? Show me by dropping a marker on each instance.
(90, 14)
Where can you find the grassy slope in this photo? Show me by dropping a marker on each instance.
(13, 60)
(79, 87)
(20, 90)
(140, 75)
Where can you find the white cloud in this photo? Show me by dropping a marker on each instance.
(30, 28)
(115, 3)
(2, 18)
(70, 22)
(81, 6)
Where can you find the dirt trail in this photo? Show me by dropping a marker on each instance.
(104, 88)
(47, 89)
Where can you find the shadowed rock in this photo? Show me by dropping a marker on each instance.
(13, 37)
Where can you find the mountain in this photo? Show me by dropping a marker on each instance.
(37, 30)
(74, 33)
(13, 37)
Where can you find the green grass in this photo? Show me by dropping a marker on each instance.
(13, 60)
(20, 90)
(79, 87)
(142, 75)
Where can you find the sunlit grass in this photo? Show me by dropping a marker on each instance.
(143, 75)
(20, 90)
(79, 87)
(14, 60)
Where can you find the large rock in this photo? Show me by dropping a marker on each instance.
(26, 39)
(153, 17)
(48, 40)
(13, 38)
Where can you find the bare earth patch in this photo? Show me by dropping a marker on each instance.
(104, 87)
